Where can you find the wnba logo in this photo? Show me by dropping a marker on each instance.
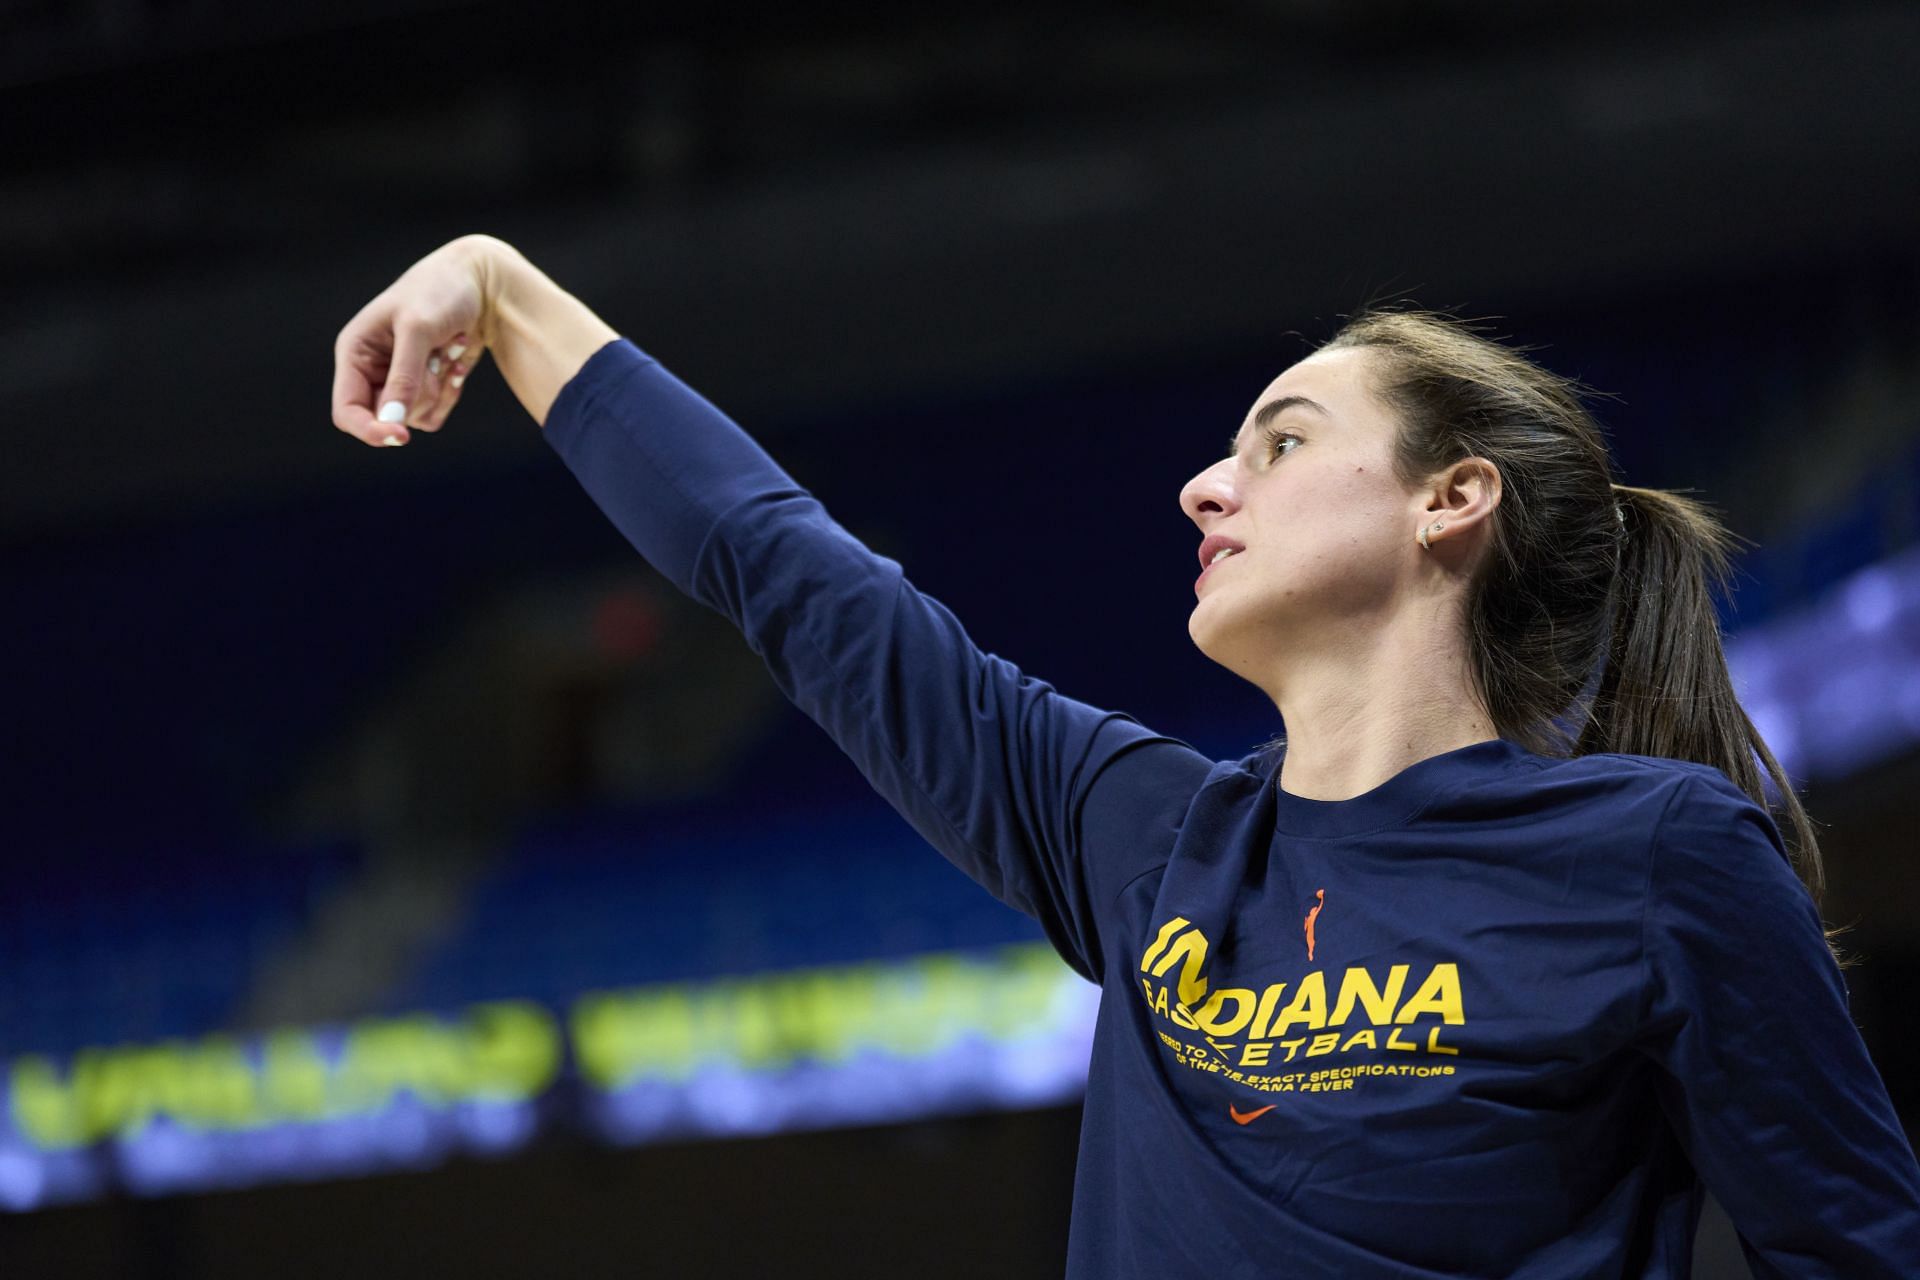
(1321, 894)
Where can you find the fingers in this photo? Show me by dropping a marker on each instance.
(400, 367)
(353, 399)
(430, 407)
(409, 390)
(360, 355)
(447, 370)
(443, 378)
(363, 361)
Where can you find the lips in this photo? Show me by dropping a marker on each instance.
(1210, 547)
(1204, 573)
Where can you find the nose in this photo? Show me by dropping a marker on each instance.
(1210, 495)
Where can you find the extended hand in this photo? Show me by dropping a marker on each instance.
(411, 349)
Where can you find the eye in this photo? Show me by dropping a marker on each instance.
(1273, 439)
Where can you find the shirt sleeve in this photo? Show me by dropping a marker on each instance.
(1765, 1078)
(1006, 777)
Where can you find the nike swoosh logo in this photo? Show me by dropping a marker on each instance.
(1251, 1116)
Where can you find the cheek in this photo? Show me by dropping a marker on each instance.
(1331, 500)
(1359, 497)
(1342, 524)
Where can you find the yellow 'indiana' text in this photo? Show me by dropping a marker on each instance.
(1270, 1025)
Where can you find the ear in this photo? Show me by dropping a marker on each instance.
(1462, 497)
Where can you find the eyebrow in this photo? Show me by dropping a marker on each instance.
(1272, 409)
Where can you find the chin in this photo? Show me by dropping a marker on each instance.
(1230, 637)
(1207, 635)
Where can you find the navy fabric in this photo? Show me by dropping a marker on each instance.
(1498, 1016)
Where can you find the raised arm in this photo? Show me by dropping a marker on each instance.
(1046, 801)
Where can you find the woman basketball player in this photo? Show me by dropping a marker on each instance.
(1490, 968)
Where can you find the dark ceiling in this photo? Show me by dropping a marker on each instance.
(801, 207)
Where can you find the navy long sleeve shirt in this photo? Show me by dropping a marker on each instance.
(1502, 1015)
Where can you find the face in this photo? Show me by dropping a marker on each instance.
(1329, 533)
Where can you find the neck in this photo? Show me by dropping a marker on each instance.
(1359, 711)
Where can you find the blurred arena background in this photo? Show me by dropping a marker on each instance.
(401, 879)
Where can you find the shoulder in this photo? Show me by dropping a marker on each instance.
(1688, 820)
(1719, 854)
(1609, 797)
(1722, 890)
(1143, 778)
(1689, 792)
(1659, 773)
(1656, 782)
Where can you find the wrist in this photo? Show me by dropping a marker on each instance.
(538, 334)
(498, 269)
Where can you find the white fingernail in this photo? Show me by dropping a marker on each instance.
(393, 440)
(458, 379)
(392, 411)
(457, 350)
(433, 365)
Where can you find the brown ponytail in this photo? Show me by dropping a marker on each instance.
(1585, 577)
